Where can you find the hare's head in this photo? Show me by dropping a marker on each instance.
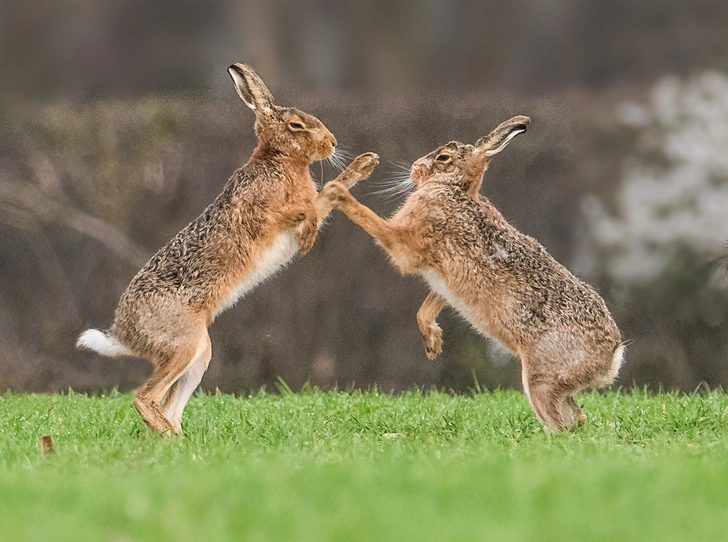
(284, 130)
(464, 164)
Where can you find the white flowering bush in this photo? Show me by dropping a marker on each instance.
(673, 195)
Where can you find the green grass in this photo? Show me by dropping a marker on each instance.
(365, 466)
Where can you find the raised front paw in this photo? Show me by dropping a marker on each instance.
(335, 193)
(433, 341)
(360, 168)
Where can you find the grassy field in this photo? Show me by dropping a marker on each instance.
(365, 466)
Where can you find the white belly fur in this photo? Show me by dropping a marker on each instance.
(439, 286)
(278, 253)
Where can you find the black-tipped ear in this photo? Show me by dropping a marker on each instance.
(251, 89)
(499, 138)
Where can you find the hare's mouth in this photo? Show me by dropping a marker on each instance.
(326, 151)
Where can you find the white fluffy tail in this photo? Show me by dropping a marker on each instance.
(102, 342)
(617, 360)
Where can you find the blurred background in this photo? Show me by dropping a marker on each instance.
(119, 124)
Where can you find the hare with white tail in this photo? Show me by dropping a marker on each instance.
(502, 281)
(268, 212)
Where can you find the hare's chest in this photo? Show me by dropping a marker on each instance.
(277, 254)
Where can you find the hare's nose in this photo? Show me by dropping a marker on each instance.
(333, 140)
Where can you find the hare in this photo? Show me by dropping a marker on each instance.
(501, 281)
(268, 211)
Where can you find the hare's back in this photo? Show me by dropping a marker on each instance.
(485, 261)
(211, 251)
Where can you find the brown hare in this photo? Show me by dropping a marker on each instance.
(500, 280)
(268, 211)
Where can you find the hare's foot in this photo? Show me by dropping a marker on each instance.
(433, 341)
(359, 169)
(152, 415)
(553, 407)
(427, 322)
(336, 193)
(577, 416)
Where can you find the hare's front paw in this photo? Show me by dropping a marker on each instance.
(306, 236)
(335, 193)
(360, 168)
(295, 219)
(433, 341)
(293, 215)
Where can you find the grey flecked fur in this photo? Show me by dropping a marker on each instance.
(502, 281)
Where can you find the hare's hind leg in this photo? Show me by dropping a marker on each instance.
(549, 401)
(184, 387)
(554, 407)
(168, 370)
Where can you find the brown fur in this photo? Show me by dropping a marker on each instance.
(502, 281)
(270, 206)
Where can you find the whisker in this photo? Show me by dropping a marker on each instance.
(393, 189)
(386, 200)
(342, 158)
(392, 179)
(335, 162)
(400, 165)
(397, 174)
(388, 181)
(343, 153)
(400, 174)
(382, 184)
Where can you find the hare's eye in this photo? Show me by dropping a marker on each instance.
(443, 158)
(295, 126)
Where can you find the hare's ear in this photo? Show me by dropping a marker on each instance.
(251, 89)
(499, 138)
